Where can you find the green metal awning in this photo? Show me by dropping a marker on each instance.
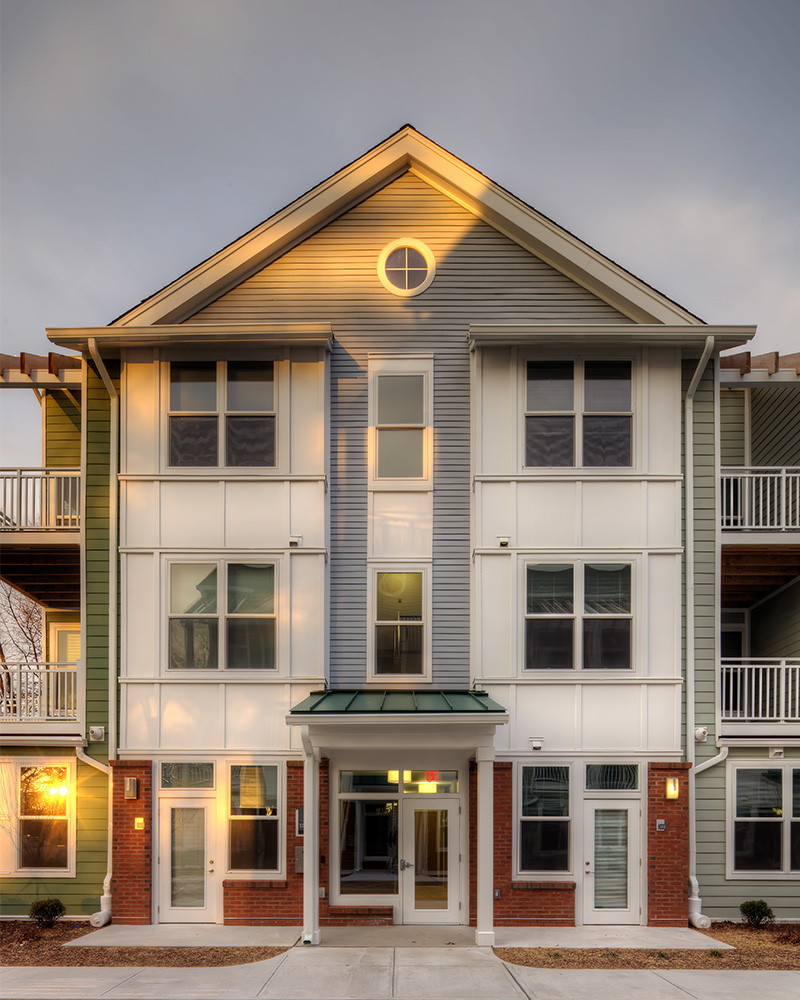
(369, 701)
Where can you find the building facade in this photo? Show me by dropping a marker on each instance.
(407, 494)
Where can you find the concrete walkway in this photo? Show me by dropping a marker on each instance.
(411, 972)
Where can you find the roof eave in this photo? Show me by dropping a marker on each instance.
(295, 334)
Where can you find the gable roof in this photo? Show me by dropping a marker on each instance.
(406, 150)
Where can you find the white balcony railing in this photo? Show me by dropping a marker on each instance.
(757, 499)
(43, 692)
(760, 690)
(39, 499)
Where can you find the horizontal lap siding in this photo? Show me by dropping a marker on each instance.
(775, 625)
(62, 437)
(481, 276)
(775, 416)
(731, 427)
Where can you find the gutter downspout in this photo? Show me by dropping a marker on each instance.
(103, 917)
(696, 917)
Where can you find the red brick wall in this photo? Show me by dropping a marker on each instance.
(132, 850)
(521, 903)
(668, 851)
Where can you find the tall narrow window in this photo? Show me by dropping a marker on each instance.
(606, 618)
(399, 625)
(401, 426)
(607, 414)
(43, 816)
(253, 822)
(544, 828)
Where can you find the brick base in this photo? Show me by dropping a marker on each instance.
(667, 850)
(132, 849)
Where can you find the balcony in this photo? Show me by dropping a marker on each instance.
(760, 498)
(37, 500)
(760, 696)
(35, 693)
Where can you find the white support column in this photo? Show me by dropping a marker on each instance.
(310, 841)
(484, 932)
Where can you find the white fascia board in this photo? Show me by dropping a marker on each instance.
(691, 338)
(295, 334)
(406, 150)
(40, 740)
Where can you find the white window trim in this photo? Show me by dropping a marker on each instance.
(430, 260)
(11, 823)
(187, 792)
(222, 670)
(280, 391)
(55, 629)
(765, 764)
(395, 680)
(537, 875)
(636, 414)
(578, 562)
(224, 783)
(400, 364)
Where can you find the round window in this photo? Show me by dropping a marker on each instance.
(406, 267)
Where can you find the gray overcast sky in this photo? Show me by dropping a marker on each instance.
(140, 136)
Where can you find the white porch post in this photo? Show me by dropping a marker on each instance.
(484, 932)
(310, 841)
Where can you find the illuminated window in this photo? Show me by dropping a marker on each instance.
(578, 414)
(406, 267)
(253, 819)
(222, 615)
(399, 624)
(41, 816)
(222, 414)
(401, 410)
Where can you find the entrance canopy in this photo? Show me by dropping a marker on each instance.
(349, 719)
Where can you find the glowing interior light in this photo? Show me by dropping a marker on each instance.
(428, 786)
(393, 777)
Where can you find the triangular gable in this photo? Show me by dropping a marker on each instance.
(406, 150)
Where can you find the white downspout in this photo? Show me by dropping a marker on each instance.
(696, 918)
(104, 915)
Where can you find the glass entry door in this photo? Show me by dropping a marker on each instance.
(429, 863)
(187, 861)
(611, 862)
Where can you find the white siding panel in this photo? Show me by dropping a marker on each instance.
(307, 513)
(611, 716)
(663, 621)
(139, 513)
(307, 413)
(496, 616)
(401, 525)
(612, 514)
(663, 501)
(140, 625)
(139, 712)
(256, 515)
(495, 506)
(255, 716)
(307, 622)
(499, 418)
(141, 412)
(191, 716)
(548, 711)
(191, 514)
(547, 514)
(663, 411)
(663, 715)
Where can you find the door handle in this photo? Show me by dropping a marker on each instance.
(405, 864)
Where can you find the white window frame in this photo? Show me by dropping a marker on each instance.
(765, 764)
(267, 874)
(222, 616)
(10, 824)
(401, 364)
(221, 413)
(420, 247)
(393, 680)
(579, 614)
(538, 874)
(578, 413)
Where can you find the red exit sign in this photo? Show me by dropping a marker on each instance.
(432, 775)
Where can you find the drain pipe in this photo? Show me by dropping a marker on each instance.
(103, 916)
(696, 917)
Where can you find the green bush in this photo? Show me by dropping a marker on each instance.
(756, 913)
(46, 911)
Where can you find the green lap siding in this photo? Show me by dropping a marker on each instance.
(775, 624)
(62, 423)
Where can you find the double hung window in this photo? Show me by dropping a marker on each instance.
(399, 624)
(401, 408)
(253, 818)
(578, 414)
(222, 414)
(222, 615)
(545, 818)
(40, 833)
(578, 616)
(766, 824)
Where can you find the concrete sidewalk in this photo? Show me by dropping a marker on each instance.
(393, 974)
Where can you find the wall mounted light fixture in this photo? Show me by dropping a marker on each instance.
(672, 789)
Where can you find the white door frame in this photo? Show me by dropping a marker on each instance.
(211, 867)
(630, 913)
(409, 863)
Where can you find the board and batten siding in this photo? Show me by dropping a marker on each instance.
(732, 405)
(62, 429)
(481, 276)
(775, 425)
(775, 624)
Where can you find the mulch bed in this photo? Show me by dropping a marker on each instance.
(23, 942)
(765, 949)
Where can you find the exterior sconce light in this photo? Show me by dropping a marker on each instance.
(131, 788)
(536, 742)
(503, 540)
(295, 541)
(673, 788)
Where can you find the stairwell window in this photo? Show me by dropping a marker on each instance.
(399, 642)
(222, 616)
(578, 616)
(578, 413)
(401, 408)
(222, 414)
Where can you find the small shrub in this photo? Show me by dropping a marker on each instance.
(756, 913)
(715, 953)
(46, 911)
(662, 954)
